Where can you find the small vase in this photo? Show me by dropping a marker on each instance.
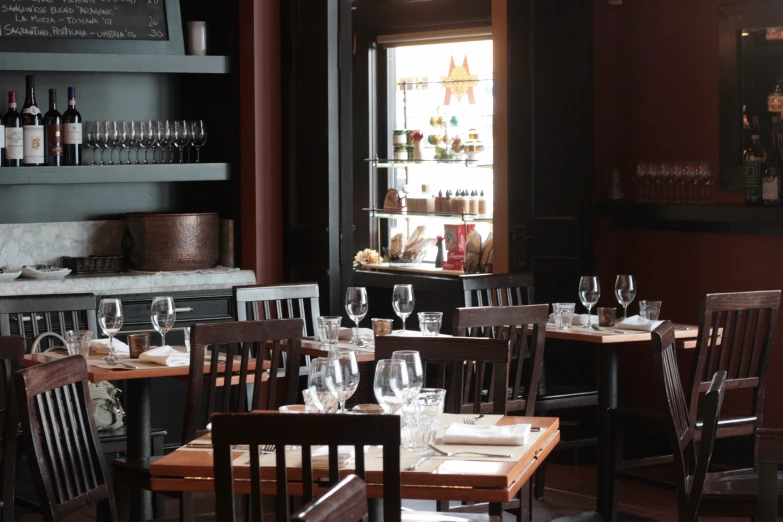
(418, 151)
(439, 256)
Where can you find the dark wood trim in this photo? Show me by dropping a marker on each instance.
(346, 58)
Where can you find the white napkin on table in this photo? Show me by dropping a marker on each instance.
(101, 346)
(637, 322)
(345, 455)
(346, 334)
(578, 320)
(166, 356)
(514, 435)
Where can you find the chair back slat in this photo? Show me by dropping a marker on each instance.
(250, 341)
(331, 430)
(736, 335)
(458, 355)
(68, 465)
(279, 302)
(29, 316)
(498, 289)
(512, 324)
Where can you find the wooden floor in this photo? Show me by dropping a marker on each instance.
(570, 490)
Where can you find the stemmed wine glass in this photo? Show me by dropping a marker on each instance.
(356, 306)
(415, 372)
(101, 137)
(391, 384)
(134, 139)
(323, 382)
(163, 134)
(110, 317)
(129, 137)
(112, 139)
(122, 139)
(163, 315)
(147, 138)
(589, 293)
(349, 373)
(403, 301)
(90, 137)
(625, 291)
(199, 136)
(181, 137)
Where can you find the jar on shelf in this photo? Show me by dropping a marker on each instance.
(401, 152)
(399, 137)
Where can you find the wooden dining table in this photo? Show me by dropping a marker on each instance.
(138, 404)
(478, 479)
(607, 342)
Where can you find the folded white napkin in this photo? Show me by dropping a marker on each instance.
(345, 455)
(637, 322)
(102, 346)
(514, 435)
(166, 356)
(578, 320)
(346, 334)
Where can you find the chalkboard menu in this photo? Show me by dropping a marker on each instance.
(84, 19)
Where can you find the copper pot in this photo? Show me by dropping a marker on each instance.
(161, 242)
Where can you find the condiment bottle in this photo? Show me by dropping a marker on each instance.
(482, 204)
(474, 202)
(439, 202)
(446, 203)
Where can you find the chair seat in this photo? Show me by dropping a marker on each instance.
(122, 433)
(560, 397)
(736, 483)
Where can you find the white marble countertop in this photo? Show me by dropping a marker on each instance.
(129, 283)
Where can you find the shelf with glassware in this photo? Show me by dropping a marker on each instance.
(402, 164)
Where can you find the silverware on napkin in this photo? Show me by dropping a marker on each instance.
(447, 454)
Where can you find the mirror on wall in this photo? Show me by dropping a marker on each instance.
(750, 50)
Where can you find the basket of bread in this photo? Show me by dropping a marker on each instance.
(412, 251)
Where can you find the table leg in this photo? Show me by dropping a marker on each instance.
(496, 509)
(768, 492)
(607, 400)
(375, 509)
(138, 406)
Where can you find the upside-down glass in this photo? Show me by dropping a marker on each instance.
(415, 371)
(199, 133)
(403, 301)
(422, 418)
(589, 293)
(349, 373)
(390, 384)
(356, 306)
(322, 384)
(625, 291)
(163, 315)
(110, 319)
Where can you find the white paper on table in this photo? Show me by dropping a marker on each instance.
(512, 435)
(637, 322)
(166, 356)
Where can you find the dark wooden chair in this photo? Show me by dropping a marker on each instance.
(498, 289)
(69, 470)
(455, 357)
(11, 354)
(291, 301)
(235, 389)
(347, 501)
(770, 449)
(725, 494)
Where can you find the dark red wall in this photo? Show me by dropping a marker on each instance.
(656, 96)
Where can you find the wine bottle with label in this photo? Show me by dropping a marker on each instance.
(12, 121)
(72, 121)
(32, 122)
(53, 123)
(773, 169)
(753, 160)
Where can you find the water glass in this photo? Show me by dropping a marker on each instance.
(589, 293)
(390, 384)
(563, 314)
(429, 323)
(348, 367)
(422, 418)
(607, 316)
(325, 377)
(625, 291)
(650, 309)
(356, 306)
(329, 329)
(415, 371)
(78, 342)
(163, 314)
(110, 319)
(403, 301)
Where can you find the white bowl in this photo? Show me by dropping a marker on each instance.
(9, 274)
(34, 272)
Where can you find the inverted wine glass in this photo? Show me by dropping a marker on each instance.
(589, 293)
(110, 319)
(403, 301)
(356, 306)
(163, 315)
(625, 291)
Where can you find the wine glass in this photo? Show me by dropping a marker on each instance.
(390, 384)
(357, 306)
(625, 291)
(403, 301)
(101, 137)
(134, 139)
(415, 371)
(181, 137)
(129, 138)
(122, 139)
(322, 383)
(199, 134)
(110, 318)
(112, 139)
(349, 372)
(589, 293)
(163, 314)
(163, 135)
(90, 136)
(147, 138)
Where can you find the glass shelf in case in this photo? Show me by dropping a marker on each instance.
(445, 218)
(401, 164)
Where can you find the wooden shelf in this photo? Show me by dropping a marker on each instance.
(114, 174)
(422, 268)
(718, 219)
(122, 63)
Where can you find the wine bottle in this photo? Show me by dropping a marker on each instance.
(14, 139)
(32, 123)
(73, 131)
(773, 168)
(753, 160)
(53, 123)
